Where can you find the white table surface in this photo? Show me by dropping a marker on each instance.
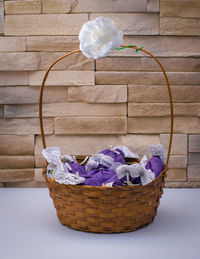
(30, 229)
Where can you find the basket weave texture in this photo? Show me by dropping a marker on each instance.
(106, 209)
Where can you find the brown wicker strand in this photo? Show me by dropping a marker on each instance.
(41, 93)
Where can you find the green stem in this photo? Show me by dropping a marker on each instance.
(129, 46)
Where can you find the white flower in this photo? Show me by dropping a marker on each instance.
(99, 37)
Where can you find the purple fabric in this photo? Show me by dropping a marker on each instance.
(135, 180)
(96, 177)
(78, 168)
(117, 157)
(101, 176)
(155, 165)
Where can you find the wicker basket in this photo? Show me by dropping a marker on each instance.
(106, 209)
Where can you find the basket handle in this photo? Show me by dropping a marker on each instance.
(133, 47)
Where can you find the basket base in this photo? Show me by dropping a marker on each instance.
(105, 230)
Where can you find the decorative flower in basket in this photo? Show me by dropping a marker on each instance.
(112, 191)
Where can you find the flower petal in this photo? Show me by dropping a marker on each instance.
(98, 37)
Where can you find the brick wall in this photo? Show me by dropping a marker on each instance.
(89, 105)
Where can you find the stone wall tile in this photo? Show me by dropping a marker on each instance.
(134, 23)
(19, 61)
(161, 46)
(48, 24)
(194, 158)
(13, 78)
(178, 184)
(179, 26)
(184, 9)
(12, 44)
(171, 64)
(194, 173)
(179, 143)
(161, 109)
(65, 109)
(1, 18)
(98, 94)
(118, 64)
(52, 43)
(153, 6)
(109, 6)
(24, 126)
(16, 162)
(158, 93)
(62, 78)
(139, 143)
(17, 145)
(90, 125)
(162, 125)
(151, 78)
(178, 174)
(194, 143)
(178, 161)
(16, 175)
(23, 7)
(26, 184)
(1, 110)
(73, 62)
(25, 95)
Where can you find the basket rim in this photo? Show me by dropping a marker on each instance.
(139, 186)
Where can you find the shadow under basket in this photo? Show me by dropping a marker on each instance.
(106, 209)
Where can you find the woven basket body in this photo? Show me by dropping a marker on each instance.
(106, 209)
